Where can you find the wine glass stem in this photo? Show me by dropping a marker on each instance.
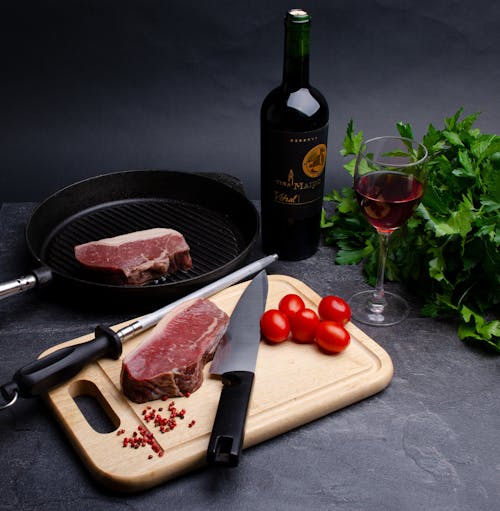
(378, 301)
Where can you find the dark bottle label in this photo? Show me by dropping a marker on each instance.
(294, 171)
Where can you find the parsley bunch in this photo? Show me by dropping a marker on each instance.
(449, 250)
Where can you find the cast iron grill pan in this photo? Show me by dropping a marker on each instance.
(219, 223)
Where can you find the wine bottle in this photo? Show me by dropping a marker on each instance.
(294, 130)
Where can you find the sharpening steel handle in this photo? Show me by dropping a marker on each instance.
(226, 440)
(57, 367)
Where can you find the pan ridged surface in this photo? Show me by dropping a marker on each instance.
(212, 237)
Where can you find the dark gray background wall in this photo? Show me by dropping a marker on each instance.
(89, 87)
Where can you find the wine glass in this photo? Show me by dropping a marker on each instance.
(389, 181)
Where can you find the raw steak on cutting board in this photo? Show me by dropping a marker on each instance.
(170, 361)
(137, 257)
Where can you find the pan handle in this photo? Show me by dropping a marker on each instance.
(37, 277)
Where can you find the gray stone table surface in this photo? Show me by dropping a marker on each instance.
(429, 441)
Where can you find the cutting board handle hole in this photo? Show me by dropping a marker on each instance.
(94, 407)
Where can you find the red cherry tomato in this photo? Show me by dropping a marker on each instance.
(332, 337)
(274, 325)
(291, 304)
(334, 308)
(303, 325)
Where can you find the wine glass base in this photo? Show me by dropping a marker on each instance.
(365, 311)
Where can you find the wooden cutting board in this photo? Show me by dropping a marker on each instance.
(294, 384)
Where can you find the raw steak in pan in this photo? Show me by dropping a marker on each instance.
(137, 257)
(170, 361)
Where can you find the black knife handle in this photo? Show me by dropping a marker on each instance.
(226, 441)
(62, 364)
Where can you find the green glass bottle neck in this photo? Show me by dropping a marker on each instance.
(296, 60)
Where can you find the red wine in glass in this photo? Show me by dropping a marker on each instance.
(389, 182)
(388, 199)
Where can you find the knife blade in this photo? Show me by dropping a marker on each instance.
(235, 361)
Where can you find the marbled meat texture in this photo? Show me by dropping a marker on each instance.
(170, 361)
(137, 257)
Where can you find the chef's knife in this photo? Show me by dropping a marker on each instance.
(235, 361)
(55, 368)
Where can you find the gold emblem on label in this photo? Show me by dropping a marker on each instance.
(314, 161)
